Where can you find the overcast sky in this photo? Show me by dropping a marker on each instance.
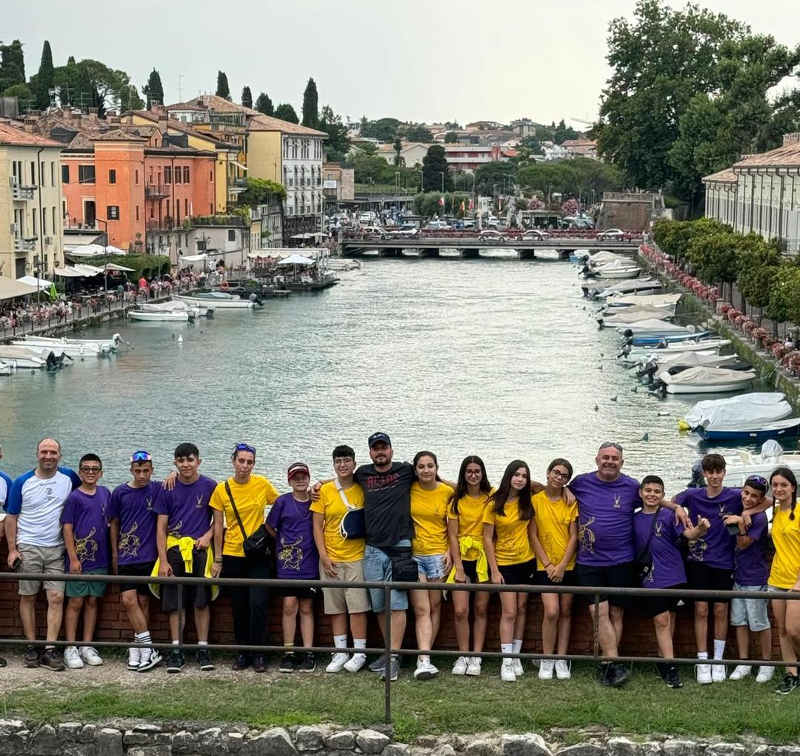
(418, 60)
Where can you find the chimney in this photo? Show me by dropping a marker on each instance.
(793, 138)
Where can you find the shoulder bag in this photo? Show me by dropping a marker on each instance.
(259, 544)
(352, 525)
(644, 559)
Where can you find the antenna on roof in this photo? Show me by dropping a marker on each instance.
(180, 87)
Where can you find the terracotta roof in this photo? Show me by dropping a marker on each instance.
(19, 138)
(579, 143)
(466, 147)
(212, 102)
(263, 122)
(119, 135)
(788, 155)
(182, 127)
(727, 176)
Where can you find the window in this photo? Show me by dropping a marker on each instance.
(64, 174)
(231, 235)
(211, 175)
(44, 223)
(112, 176)
(33, 220)
(86, 174)
(177, 174)
(167, 175)
(136, 177)
(54, 219)
(112, 212)
(52, 173)
(185, 174)
(211, 208)
(152, 211)
(186, 208)
(137, 212)
(41, 172)
(33, 173)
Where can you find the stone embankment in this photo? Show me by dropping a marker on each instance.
(77, 739)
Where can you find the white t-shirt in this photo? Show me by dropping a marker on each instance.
(38, 503)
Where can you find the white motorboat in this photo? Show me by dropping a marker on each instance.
(24, 357)
(602, 289)
(653, 301)
(753, 409)
(669, 359)
(106, 345)
(621, 316)
(771, 456)
(164, 316)
(706, 380)
(177, 305)
(614, 272)
(218, 301)
(6, 368)
(654, 327)
(71, 350)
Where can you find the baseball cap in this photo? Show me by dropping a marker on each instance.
(297, 467)
(379, 438)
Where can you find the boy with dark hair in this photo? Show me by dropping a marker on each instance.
(183, 539)
(133, 552)
(711, 560)
(85, 524)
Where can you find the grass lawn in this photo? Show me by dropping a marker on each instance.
(444, 705)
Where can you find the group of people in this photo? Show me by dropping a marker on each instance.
(401, 522)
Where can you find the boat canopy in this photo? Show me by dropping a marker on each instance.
(756, 408)
(708, 376)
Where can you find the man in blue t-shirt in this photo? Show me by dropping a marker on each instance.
(35, 545)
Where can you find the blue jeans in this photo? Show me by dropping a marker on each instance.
(378, 568)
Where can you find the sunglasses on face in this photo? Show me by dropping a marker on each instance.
(91, 470)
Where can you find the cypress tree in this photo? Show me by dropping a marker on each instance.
(222, 85)
(153, 90)
(264, 104)
(45, 78)
(311, 105)
(286, 112)
(247, 97)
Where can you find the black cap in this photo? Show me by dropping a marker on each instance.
(379, 438)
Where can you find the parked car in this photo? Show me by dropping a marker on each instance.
(534, 234)
(437, 225)
(492, 234)
(407, 229)
(611, 233)
(372, 230)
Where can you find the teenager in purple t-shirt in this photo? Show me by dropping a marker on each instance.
(291, 522)
(133, 552)
(710, 562)
(751, 572)
(184, 519)
(85, 523)
(657, 538)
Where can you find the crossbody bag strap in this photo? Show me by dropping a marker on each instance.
(343, 495)
(235, 511)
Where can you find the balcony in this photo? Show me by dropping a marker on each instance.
(155, 191)
(237, 186)
(20, 193)
(23, 246)
(167, 223)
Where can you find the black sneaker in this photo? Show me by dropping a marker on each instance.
(618, 674)
(788, 684)
(307, 662)
(259, 663)
(175, 661)
(51, 660)
(204, 660)
(242, 662)
(604, 673)
(31, 657)
(663, 671)
(673, 677)
(288, 662)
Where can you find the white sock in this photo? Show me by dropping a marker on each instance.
(719, 648)
(517, 646)
(340, 641)
(423, 659)
(202, 643)
(506, 648)
(175, 643)
(143, 637)
(702, 654)
(359, 642)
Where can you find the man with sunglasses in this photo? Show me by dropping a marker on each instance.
(36, 545)
(133, 552)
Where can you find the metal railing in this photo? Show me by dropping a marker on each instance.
(592, 592)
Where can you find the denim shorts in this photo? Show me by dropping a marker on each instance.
(431, 567)
(749, 612)
(378, 568)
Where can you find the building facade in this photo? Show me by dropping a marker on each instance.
(31, 231)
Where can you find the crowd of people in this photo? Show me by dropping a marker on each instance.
(401, 522)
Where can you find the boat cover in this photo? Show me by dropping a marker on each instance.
(707, 376)
(746, 410)
(645, 300)
(695, 359)
(632, 315)
(654, 325)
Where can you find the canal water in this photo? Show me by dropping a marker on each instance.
(495, 357)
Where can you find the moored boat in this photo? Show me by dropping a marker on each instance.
(218, 300)
(72, 350)
(164, 316)
(777, 429)
(705, 380)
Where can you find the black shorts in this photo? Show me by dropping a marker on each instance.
(301, 592)
(701, 576)
(471, 570)
(542, 579)
(197, 596)
(518, 574)
(607, 576)
(650, 606)
(141, 569)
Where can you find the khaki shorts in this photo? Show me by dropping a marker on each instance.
(44, 559)
(341, 600)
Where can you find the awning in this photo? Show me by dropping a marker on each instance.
(10, 289)
(296, 260)
(87, 250)
(40, 283)
(88, 270)
(68, 272)
(112, 250)
(194, 258)
(122, 268)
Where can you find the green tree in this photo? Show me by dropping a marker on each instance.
(153, 90)
(311, 105)
(384, 129)
(24, 95)
(434, 170)
(260, 192)
(784, 295)
(495, 173)
(12, 65)
(416, 132)
(758, 266)
(338, 143)
(44, 79)
(285, 112)
(264, 104)
(398, 146)
(91, 84)
(223, 90)
(247, 97)
(563, 132)
(450, 137)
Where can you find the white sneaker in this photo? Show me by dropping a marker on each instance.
(338, 660)
(90, 656)
(507, 671)
(133, 658)
(741, 671)
(460, 666)
(518, 669)
(718, 673)
(148, 658)
(562, 669)
(425, 670)
(765, 674)
(356, 662)
(546, 668)
(72, 659)
(703, 674)
(474, 666)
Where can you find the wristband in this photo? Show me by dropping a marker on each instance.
(217, 561)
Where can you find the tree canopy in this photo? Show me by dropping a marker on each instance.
(435, 175)
(44, 78)
(311, 105)
(260, 191)
(247, 97)
(153, 90)
(92, 84)
(223, 90)
(12, 65)
(264, 104)
(338, 143)
(285, 112)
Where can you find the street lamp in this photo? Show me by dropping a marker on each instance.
(105, 252)
(442, 172)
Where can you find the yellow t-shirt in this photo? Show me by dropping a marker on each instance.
(332, 508)
(429, 515)
(251, 499)
(512, 545)
(553, 519)
(786, 537)
(470, 515)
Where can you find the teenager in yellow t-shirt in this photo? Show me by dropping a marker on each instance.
(431, 552)
(785, 572)
(508, 534)
(555, 545)
(465, 532)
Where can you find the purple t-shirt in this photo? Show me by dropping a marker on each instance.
(751, 563)
(133, 507)
(88, 515)
(716, 547)
(605, 518)
(297, 555)
(186, 507)
(668, 569)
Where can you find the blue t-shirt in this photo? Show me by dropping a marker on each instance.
(186, 507)
(297, 555)
(716, 547)
(752, 567)
(5, 489)
(667, 561)
(133, 507)
(88, 515)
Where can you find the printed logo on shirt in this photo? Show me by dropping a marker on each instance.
(128, 542)
(659, 529)
(376, 482)
(199, 503)
(86, 548)
(291, 554)
(617, 502)
(586, 536)
(697, 549)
